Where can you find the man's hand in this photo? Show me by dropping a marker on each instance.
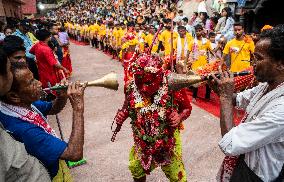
(224, 86)
(226, 91)
(175, 119)
(75, 93)
(74, 150)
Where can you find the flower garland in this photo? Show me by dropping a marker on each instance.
(153, 137)
(209, 68)
(128, 75)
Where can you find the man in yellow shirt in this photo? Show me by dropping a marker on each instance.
(115, 38)
(91, 33)
(165, 38)
(199, 49)
(185, 38)
(77, 29)
(82, 31)
(150, 38)
(95, 35)
(181, 47)
(108, 38)
(121, 32)
(239, 49)
(101, 35)
(85, 31)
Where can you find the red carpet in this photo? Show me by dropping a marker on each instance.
(79, 43)
(213, 105)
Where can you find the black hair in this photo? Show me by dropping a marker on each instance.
(228, 11)
(214, 19)
(198, 27)
(167, 20)
(276, 49)
(3, 63)
(204, 14)
(181, 27)
(185, 19)
(131, 24)
(43, 34)
(12, 44)
(211, 34)
(62, 29)
(239, 24)
(14, 39)
(51, 25)
(180, 11)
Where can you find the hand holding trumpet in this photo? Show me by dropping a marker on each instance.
(75, 94)
(224, 85)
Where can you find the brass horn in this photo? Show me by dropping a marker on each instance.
(109, 81)
(179, 81)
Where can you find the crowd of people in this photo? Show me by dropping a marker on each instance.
(121, 28)
(152, 39)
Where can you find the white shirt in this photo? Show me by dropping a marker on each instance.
(261, 139)
(202, 7)
(179, 18)
(213, 45)
(2, 36)
(189, 29)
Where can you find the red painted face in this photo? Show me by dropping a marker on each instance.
(149, 83)
(148, 74)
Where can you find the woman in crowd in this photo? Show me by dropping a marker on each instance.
(64, 39)
(225, 25)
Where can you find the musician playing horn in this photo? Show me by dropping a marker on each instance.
(25, 117)
(156, 118)
(255, 149)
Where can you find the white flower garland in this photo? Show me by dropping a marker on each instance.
(155, 106)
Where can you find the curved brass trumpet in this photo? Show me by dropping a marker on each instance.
(109, 81)
(179, 81)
